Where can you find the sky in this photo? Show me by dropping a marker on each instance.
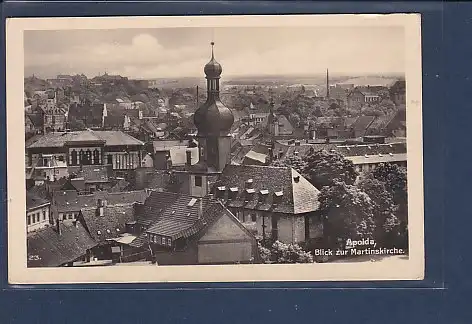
(242, 51)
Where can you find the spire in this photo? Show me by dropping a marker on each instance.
(212, 47)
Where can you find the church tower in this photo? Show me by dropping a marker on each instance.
(213, 121)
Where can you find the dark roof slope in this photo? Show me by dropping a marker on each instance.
(153, 207)
(109, 225)
(47, 248)
(183, 218)
(271, 181)
(109, 138)
(70, 200)
(34, 201)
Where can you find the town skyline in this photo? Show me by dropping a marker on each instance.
(244, 52)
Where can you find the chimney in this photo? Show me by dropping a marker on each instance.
(189, 157)
(99, 211)
(296, 178)
(58, 227)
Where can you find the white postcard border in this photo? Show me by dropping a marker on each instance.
(18, 273)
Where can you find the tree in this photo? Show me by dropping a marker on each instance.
(324, 169)
(384, 209)
(395, 180)
(347, 213)
(293, 161)
(294, 119)
(279, 252)
(318, 112)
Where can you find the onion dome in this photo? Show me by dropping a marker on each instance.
(213, 118)
(213, 69)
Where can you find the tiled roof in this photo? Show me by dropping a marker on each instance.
(271, 180)
(109, 225)
(109, 138)
(153, 206)
(119, 185)
(371, 149)
(362, 123)
(36, 119)
(47, 248)
(34, 201)
(70, 200)
(91, 173)
(183, 220)
(350, 150)
(388, 158)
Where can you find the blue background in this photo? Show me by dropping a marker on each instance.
(440, 298)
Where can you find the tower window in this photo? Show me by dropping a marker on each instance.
(198, 181)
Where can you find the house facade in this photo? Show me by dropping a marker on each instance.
(88, 147)
(38, 212)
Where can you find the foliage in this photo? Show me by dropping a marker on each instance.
(395, 180)
(294, 119)
(347, 213)
(324, 169)
(384, 208)
(280, 252)
(76, 124)
(293, 161)
(318, 112)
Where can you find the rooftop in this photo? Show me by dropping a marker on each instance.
(47, 248)
(109, 225)
(297, 196)
(108, 138)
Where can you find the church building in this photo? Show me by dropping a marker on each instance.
(276, 202)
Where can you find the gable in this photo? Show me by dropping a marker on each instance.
(225, 228)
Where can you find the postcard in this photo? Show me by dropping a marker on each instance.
(214, 149)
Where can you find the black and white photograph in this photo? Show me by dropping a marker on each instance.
(269, 148)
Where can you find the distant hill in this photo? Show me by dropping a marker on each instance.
(371, 80)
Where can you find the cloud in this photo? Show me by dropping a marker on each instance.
(240, 51)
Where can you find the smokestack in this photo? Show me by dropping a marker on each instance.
(197, 97)
(327, 83)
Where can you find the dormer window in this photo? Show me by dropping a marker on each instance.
(220, 192)
(263, 194)
(249, 194)
(233, 192)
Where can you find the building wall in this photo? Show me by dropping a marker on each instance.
(226, 242)
(198, 188)
(185, 257)
(37, 218)
(71, 215)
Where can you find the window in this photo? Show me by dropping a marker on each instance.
(163, 241)
(169, 242)
(253, 217)
(109, 159)
(44, 215)
(198, 181)
(74, 157)
(29, 219)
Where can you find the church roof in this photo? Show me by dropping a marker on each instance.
(295, 194)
